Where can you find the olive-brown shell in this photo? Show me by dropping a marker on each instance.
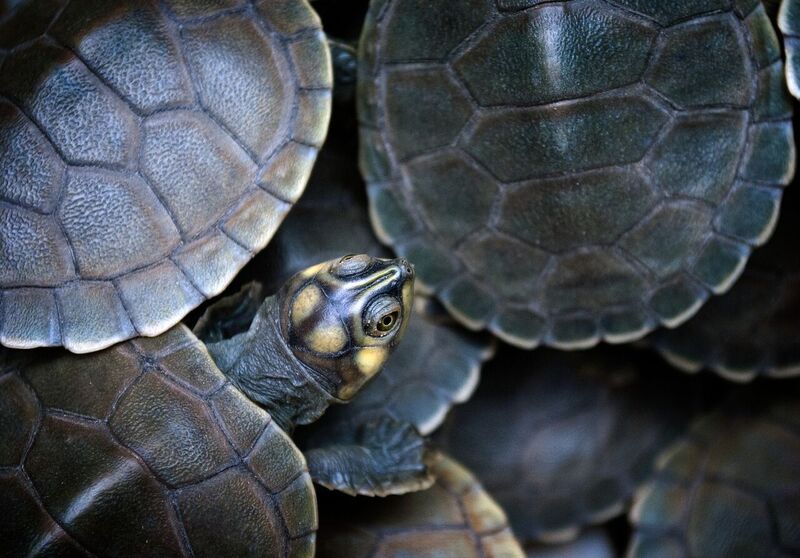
(145, 449)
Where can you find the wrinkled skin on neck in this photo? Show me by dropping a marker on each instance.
(324, 335)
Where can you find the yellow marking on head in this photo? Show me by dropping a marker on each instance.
(370, 359)
(311, 271)
(327, 337)
(408, 292)
(306, 301)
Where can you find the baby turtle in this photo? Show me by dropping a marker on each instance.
(435, 367)
(730, 488)
(455, 517)
(168, 447)
(562, 441)
(566, 172)
(148, 151)
(754, 329)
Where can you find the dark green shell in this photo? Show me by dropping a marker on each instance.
(145, 449)
(754, 329)
(148, 151)
(731, 487)
(455, 517)
(566, 172)
(562, 441)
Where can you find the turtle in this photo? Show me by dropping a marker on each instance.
(149, 150)
(731, 486)
(166, 446)
(455, 517)
(567, 172)
(562, 440)
(789, 24)
(437, 365)
(754, 329)
(594, 543)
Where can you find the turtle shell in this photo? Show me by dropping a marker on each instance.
(436, 365)
(562, 441)
(789, 24)
(565, 172)
(730, 488)
(148, 151)
(455, 517)
(145, 449)
(754, 329)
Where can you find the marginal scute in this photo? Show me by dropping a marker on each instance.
(157, 297)
(188, 158)
(512, 62)
(91, 315)
(751, 214)
(209, 260)
(773, 99)
(255, 220)
(242, 79)
(190, 363)
(771, 153)
(470, 301)
(316, 73)
(288, 16)
(287, 172)
(173, 432)
(114, 223)
(99, 491)
(30, 318)
(130, 49)
(197, 8)
(298, 507)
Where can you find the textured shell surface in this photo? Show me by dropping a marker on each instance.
(731, 487)
(145, 449)
(563, 441)
(752, 330)
(148, 151)
(566, 172)
(455, 517)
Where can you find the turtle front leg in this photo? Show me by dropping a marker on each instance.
(383, 456)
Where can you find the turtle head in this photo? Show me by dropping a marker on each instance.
(342, 318)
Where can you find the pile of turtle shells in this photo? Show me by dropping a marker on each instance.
(558, 309)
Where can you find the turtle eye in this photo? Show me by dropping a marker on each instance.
(382, 316)
(351, 265)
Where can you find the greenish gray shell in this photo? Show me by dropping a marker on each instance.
(149, 150)
(566, 172)
(145, 449)
(730, 488)
(562, 441)
(752, 330)
(455, 517)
